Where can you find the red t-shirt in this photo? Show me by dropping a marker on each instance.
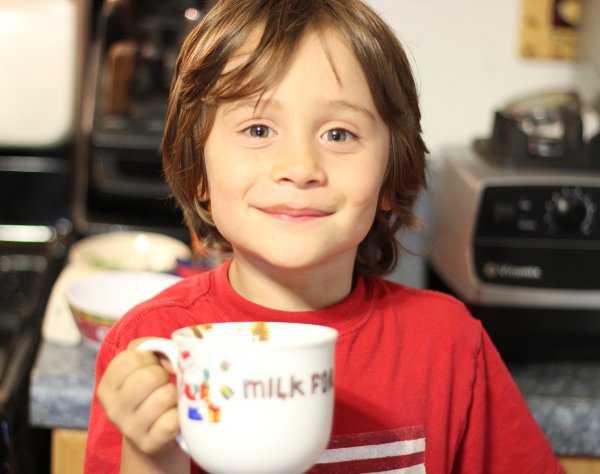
(419, 386)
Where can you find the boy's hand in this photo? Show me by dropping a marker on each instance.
(138, 398)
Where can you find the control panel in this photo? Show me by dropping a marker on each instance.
(549, 212)
(539, 236)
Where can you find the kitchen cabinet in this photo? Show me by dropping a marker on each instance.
(581, 465)
(67, 451)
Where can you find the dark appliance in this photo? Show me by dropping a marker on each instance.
(516, 225)
(34, 235)
(132, 55)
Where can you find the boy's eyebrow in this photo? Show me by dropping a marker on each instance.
(344, 104)
(338, 104)
(232, 106)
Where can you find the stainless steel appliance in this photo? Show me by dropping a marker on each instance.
(132, 53)
(517, 237)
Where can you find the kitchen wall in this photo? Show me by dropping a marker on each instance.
(466, 60)
(465, 56)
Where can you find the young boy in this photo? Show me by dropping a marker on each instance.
(293, 142)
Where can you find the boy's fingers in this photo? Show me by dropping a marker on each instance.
(122, 366)
(137, 395)
(164, 431)
(159, 411)
(141, 384)
(162, 359)
(131, 379)
(156, 421)
(160, 436)
(121, 406)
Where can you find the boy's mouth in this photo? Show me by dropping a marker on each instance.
(291, 213)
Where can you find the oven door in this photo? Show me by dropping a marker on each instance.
(34, 236)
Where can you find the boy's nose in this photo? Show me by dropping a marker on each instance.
(300, 165)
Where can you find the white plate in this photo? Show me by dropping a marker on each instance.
(139, 251)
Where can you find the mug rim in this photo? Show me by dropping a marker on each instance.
(318, 334)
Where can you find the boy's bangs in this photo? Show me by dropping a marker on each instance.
(251, 72)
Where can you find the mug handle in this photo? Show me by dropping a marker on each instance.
(167, 348)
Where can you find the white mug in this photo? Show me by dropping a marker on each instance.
(253, 397)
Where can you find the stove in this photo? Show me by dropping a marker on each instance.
(34, 236)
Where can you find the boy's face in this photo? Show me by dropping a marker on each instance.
(294, 179)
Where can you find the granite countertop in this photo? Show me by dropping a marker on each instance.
(564, 397)
(61, 386)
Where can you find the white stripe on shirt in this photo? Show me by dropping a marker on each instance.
(397, 448)
(418, 469)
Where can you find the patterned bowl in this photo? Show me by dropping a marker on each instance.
(99, 300)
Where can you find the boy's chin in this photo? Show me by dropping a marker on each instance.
(300, 261)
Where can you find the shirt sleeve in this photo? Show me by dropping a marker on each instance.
(103, 449)
(501, 435)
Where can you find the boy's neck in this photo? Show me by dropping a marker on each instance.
(290, 289)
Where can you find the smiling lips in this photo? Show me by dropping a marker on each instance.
(290, 213)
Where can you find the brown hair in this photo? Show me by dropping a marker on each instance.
(200, 84)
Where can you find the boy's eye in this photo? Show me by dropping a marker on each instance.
(259, 131)
(337, 135)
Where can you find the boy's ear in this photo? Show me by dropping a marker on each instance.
(203, 200)
(202, 195)
(385, 203)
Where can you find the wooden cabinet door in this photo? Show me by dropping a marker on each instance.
(68, 450)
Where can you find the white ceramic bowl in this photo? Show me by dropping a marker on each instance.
(129, 250)
(99, 300)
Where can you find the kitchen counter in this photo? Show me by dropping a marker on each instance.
(62, 383)
(564, 397)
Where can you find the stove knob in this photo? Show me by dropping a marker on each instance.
(568, 212)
